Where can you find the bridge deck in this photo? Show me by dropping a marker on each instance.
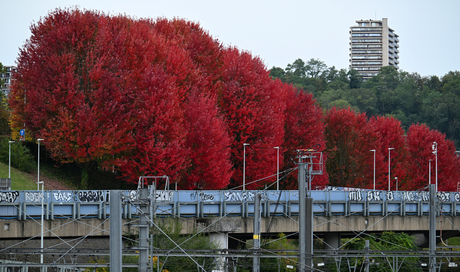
(23, 205)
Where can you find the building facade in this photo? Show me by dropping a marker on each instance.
(7, 77)
(373, 45)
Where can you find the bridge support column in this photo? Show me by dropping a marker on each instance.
(331, 240)
(221, 240)
(331, 244)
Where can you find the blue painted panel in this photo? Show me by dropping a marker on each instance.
(294, 208)
(376, 208)
(320, 208)
(233, 209)
(63, 210)
(187, 196)
(211, 209)
(411, 208)
(338, 196)
(9, 210)
(446, 208)
(188, 209)
(319, 195)
(89, 209)
(32, 210)
(277, 195)
(164, 210)
(279, 208)
(293, 195)
(338, 208)
(394, 208)
(357, 208)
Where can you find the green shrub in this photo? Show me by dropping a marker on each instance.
(21, 158)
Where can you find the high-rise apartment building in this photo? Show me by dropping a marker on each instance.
(7, 77)
(373, 45)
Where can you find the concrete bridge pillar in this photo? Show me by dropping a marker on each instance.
(331, 240)
(221, 240)
(331, 243)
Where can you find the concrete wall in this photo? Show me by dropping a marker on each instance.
(239, 225)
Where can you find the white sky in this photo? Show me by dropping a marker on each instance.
(279, 32)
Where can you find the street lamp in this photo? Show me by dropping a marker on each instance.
(389, 167)
(244, 166)
(38, 163)
(429, 172)
(9, 159)
(435, 152)
(373, 150)
(42, 223)
(277, 167)
(396, 178)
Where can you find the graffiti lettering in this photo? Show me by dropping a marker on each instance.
(390, 196)
(34, 196)
(443, 196)
(9, 197)
(163, 195)
(355, 196)
(243, 196)
(62, 197)
(457, 197)
(202, 196)
(373, 196)
(93, 196)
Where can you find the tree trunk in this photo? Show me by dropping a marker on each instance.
(85, 176)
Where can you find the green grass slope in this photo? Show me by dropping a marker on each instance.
(28, 181)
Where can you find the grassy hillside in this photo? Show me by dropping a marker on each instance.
(28, 181)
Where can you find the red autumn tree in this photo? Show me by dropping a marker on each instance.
(204, 53)
(253, 108)
(349, 139)
(420, 139)
(159, 132)
(67, 89)
(158, 114)
(303, 130)
(391, 135)
(207, 138)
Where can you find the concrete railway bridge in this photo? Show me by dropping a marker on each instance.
(81, 219)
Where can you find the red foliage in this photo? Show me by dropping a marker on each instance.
(420, 139)
(67, 90)
(349, 139)
(209, 144)
(391, 135)
(303, 129)
(159, 132)
(253, 108)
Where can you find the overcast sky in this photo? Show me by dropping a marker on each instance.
(279, 32)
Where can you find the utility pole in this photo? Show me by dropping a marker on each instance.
(115, 231)
(143, 229)
(305, 213)
(432, 234)
(366, 258)
(256, 236)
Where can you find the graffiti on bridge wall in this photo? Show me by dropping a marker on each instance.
(62, 197)
(8, 197)
(94, 196)
(421, 196)
(243, 195)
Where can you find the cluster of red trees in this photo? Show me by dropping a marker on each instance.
(352, 137)
(162, 97)
(156, 98)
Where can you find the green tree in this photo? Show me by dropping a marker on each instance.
(383, 242)
(170, 238)
(4, 113)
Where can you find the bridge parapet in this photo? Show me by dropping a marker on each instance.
(23, 205)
